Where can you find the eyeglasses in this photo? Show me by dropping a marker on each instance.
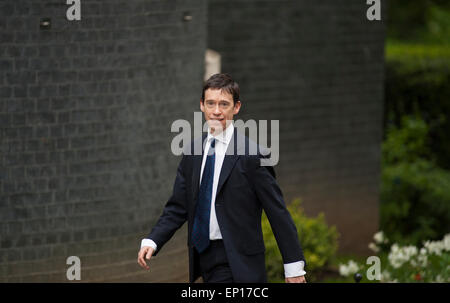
(223, 105)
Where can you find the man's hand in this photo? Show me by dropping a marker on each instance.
(145, 252)
(299, 279)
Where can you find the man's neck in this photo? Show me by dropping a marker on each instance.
(216, 132)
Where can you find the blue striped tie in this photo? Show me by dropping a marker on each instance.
(200, 229)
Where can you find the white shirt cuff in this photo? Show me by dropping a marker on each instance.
(148, 242)
(294, 269)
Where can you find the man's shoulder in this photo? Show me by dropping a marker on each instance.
(257, 154)
(250, 148)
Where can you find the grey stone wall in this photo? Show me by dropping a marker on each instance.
(85, 114)
(317, 67)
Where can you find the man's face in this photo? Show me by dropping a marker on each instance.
(218, 108)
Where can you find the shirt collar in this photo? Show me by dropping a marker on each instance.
(224, 136)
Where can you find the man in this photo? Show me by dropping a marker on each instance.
(221, 193)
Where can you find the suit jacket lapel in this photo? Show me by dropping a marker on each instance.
(229, 160)
(197, 165)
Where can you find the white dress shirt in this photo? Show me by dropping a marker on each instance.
(222, 140)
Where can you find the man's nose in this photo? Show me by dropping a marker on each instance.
(217, 110)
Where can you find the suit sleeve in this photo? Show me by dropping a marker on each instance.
(271, 198)
(174, 213)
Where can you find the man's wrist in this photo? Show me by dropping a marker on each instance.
(294, 269)
(149, 242)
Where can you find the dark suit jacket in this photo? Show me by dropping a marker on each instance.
(244, 189)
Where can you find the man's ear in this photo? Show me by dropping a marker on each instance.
(237, 107)
(202, 107)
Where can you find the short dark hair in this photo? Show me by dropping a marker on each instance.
(224, 82)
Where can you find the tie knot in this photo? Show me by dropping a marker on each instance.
(211, 150)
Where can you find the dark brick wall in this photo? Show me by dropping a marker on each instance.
(86, 109)
(317, 66)
(85, 115)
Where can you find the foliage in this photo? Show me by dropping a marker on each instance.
(415, 189)
(416, 83)
(415, 193)
(318, 240)
(420, 20)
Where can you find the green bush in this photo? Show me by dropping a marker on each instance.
(318, 240)
(416, 83)
(419, 20)
(415, 193)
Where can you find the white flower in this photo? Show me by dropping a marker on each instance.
(385, 276)
(353, 266)
(343, 270)
(374, 247)
(399, 255)
(423, 259)
(434, 247)
(410, 251)
(349, 269)
(395, 247)
(379, 237)
(446, 241)
(439, 279)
